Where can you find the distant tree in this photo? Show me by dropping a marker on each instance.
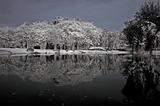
(112, 40)
(22, 35)
(7, 36)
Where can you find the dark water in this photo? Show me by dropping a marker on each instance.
(74, 80)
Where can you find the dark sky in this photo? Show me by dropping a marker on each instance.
(109, 14)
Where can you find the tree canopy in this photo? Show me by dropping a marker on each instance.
(61, 30)
(143, 30)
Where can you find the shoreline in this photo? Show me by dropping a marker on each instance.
(23, 51)
(11, 51)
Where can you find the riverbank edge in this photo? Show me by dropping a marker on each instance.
(23, 51)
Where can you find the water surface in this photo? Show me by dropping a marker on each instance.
(79, 80)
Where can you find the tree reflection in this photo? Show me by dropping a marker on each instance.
(142, 81)
(60, 69)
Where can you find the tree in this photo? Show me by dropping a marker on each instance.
(149, 17)
(150, 12)
(7, 36)
(143, 29)
(22, 35)
(112, 40)
(134, 34)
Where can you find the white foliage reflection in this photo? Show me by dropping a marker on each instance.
(60, 69)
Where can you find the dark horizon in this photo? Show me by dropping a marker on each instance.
(108, 14)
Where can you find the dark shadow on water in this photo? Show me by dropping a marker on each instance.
(142, 81)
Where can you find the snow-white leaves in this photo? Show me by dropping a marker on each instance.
(149, 26)
(84, 32)
(61, 30)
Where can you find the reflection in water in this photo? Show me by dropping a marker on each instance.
(64, 76)
(60, 69)
(143, 78)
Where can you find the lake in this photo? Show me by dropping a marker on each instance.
(84, 80)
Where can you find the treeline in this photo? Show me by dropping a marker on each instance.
(71, 32)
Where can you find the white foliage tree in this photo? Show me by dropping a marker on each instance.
(71, 32)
